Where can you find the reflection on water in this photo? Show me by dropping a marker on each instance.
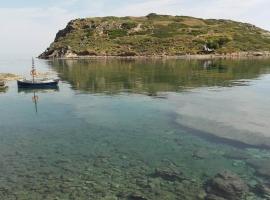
(199, 109)
(144, 76)
(123, 144)
(30, 90)
(35, 101)
(35, 97)
(3, 89)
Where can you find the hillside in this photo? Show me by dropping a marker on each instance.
(156, 35)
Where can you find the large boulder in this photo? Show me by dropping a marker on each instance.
(226, 185)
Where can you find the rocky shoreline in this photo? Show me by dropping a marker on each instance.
(8, 77)
(236, 55)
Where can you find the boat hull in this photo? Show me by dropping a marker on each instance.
(39, 85)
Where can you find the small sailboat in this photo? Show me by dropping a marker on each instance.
(37, 83)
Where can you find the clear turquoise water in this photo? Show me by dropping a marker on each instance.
(114, 122)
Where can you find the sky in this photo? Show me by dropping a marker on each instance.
(28, 27)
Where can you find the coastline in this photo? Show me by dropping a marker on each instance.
(237, 55)
(8, 77)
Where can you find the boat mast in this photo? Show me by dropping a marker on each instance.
(35, 100)
(33, 71)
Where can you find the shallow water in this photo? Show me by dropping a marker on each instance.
(113, 123)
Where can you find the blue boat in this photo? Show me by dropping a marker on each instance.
(37, 83)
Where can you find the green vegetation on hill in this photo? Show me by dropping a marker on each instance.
(155, 35)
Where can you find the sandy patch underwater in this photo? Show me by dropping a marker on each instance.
(239, 113)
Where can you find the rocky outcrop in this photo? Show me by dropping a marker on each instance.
(157, 35)
(62, 33)
(226, 186)
(8, 77)
(64, 52)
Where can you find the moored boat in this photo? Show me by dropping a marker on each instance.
(37, 83)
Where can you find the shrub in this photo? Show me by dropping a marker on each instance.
(116, 33)
(212, 44)
(129, 25)
(152, 15)
(223, 40)
(217, 43)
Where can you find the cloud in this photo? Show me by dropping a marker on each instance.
(29, 30)
(253, 11)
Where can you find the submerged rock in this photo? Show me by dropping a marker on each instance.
(262, 190)
(135, 196)
(200, 154)
(237, 155)
(226, 185)
(169, 175)
(262, 167)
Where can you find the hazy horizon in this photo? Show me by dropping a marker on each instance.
(29, 27)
